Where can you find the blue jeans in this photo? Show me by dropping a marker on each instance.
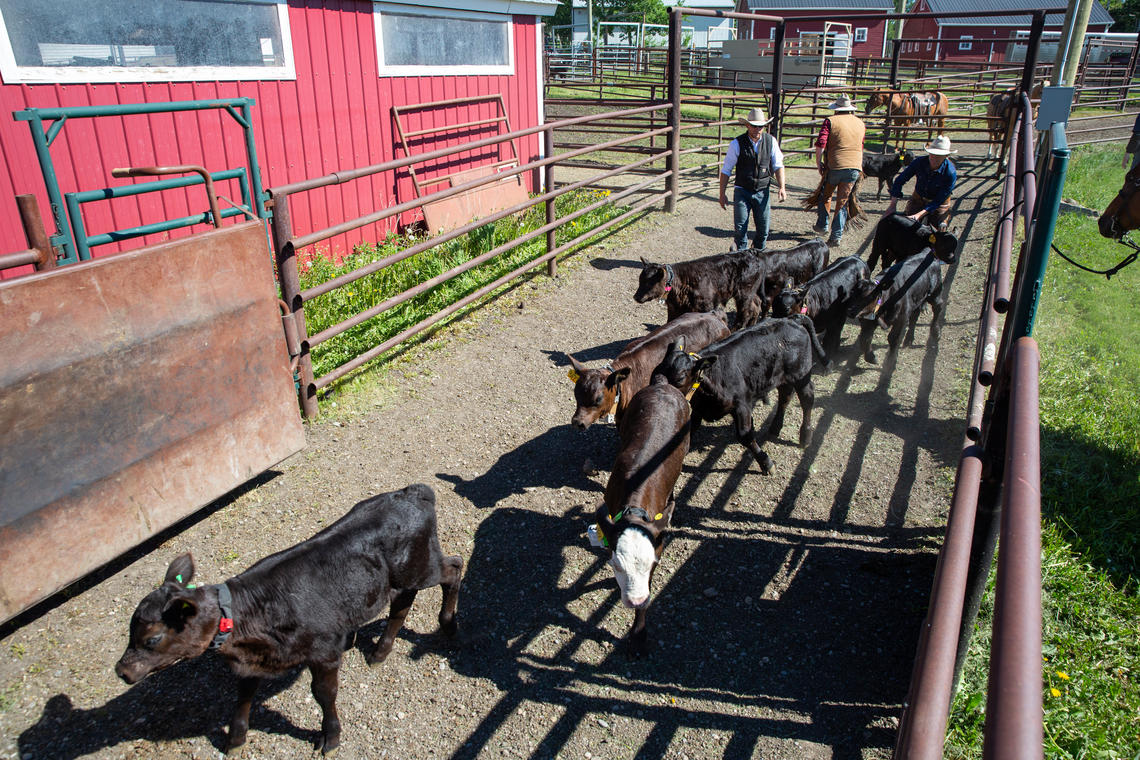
(840, 182)
(743, 203)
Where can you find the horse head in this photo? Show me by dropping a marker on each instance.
(874, 100)
(1123, 214)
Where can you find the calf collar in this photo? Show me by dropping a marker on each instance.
(226, 623)
(669, 276)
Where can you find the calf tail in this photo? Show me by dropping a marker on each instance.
(805, 321)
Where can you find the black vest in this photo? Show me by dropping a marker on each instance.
(754, 170)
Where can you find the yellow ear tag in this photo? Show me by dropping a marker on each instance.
(696, 385)
(573, 376)
(658, 516)
(932, 238)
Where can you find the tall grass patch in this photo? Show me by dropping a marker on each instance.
(1090, 469)
(339, 305)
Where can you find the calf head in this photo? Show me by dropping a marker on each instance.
(683, 370)
(655, 281)
(945, 244)
(172, 623)
(863, 298)
(635, 542)
(789, 302)
(595, 391)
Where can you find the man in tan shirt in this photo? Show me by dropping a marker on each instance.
(839, 157)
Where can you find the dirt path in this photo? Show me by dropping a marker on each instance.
(786, 610)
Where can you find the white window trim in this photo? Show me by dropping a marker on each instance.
(378, 10)
(14, 74)
(861, 34)
(966, 42)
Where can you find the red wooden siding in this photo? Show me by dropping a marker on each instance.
(335, 115)
(872, 48)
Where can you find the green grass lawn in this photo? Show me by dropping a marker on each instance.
(1090, 446)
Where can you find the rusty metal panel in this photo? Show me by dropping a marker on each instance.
(476, 203)
(134, 390)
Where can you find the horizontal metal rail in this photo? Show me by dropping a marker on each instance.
(1014, 728)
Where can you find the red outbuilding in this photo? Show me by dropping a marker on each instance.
(324, 76)
(868, 35)
(966, 39)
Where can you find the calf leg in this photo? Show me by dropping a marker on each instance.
(783, 394)
(452, 573)
(397, 612)
(863, 343)
(894, 337)
(324, 690)
(805, 390)
(638, 638)
(748, 308)
(746, 434)
(937, 307)
(239, 724)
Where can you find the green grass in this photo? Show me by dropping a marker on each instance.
(340, 304)
(1090, 435)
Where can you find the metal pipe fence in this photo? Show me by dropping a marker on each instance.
(287, 242)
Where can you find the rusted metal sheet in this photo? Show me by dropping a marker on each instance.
(134, 390)
(476, 203)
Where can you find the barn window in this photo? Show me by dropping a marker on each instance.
(964, 43)
(414, 41)
(79, 41)
(861, 34)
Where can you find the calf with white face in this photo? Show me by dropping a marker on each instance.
(638, 504)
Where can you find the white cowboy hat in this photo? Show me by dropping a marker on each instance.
(843, 103)
(940, 146)
(755, 118)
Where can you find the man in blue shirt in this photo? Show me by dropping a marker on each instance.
(757, 159)
(935, 177)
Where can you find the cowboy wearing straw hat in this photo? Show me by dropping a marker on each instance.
(935, 177)
(839, 158)
(756, 157)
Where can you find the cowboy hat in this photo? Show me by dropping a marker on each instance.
(939, 146)
(843, 103)
(754, 118)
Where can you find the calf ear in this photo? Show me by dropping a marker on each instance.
(705, 362)
(181, 570)
(606, 526)
(179, 610)
(617, 376)
(646, 262)
(578, 366)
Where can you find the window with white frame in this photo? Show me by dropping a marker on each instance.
(417, 41)
(79, 41)
(772, 33)
(965, 42)
(861, 34)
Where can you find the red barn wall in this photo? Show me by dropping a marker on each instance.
(872, 48)
(335, 115)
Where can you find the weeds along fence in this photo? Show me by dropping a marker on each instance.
(997, 492)
(287, 243)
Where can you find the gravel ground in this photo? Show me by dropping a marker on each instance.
(787, 608)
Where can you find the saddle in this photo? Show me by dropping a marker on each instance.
(923, 104)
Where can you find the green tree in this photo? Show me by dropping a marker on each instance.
(632, 11)
(1125, 14)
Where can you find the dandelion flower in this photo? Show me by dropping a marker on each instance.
(1055, 692)
(1062, 675)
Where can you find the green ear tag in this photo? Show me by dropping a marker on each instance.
(178, 577)
(191, 585)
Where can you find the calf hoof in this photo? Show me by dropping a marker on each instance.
(235, 750)
(449, 628)
(379, 654)
(805, 437)
(328, 745)
(637, 645)
(765, 463)
(871, 358)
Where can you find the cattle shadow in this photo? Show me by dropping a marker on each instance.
(176, 703)
(823, 630)
(608, 265)
(541, 462)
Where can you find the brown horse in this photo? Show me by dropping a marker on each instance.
(1123, 214)
(903, 109)
(998, 110)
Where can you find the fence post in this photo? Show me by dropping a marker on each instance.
(774, 101)
(674, 161)
(290, 282)
(896, 48)
(548, 151)
(34, 231)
